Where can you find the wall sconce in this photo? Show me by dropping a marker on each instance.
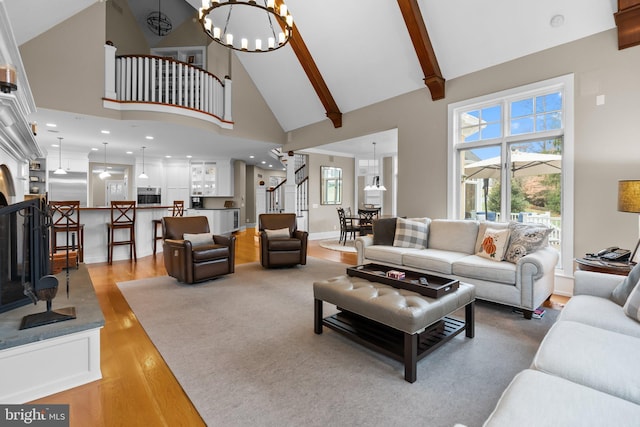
(8, 78)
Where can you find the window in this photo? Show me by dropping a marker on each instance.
(511, 159)
(331, 182)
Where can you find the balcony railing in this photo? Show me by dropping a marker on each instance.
(154, 83)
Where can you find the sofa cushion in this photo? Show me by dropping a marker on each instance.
(599, 312)
(632, 306)
(434, 260)
(594, 357)
(280, 244)
(210, 252)
(453, 235)
(494, 244)
(387, 254)
(482, 227)
(621, 292)
(477, 267)
(525, 239)
(278, 234)
(384, 231)
(536, 398)
(198, 239)
(410, 234)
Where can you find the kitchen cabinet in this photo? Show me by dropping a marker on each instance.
(211, 178)
(221, 221)
(177, 177)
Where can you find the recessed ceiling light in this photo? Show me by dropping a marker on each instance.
(189, 156)
(148, 137)
(270, 166)
(129, 152)
(51, 125)
(55, 145)
(168, 157)
(252, 156)
(106, 132)
(94, 149)
(556, 21)
(263, 162)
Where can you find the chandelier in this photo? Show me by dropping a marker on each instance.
(375, 183)
(159, 22)
(246, 25)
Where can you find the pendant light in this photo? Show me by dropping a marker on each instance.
(143, 175)
(60, 171)
(105, 174)
(375, 184)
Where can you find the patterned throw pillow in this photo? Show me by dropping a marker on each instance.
(199, 239)
(632, 306)
(525, 239)
(410, 234)
(280, 233)
(494, 243)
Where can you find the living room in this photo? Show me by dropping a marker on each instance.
(605, 106)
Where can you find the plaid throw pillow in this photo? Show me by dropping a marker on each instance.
(410, 234)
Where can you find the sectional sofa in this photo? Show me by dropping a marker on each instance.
(455, 249)
(585, 372)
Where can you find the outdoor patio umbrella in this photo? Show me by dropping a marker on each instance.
(522, 164)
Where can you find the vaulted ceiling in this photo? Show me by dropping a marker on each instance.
(368, 51)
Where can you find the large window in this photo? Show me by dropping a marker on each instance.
(511, 159)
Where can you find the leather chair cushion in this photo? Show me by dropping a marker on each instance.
(210, 252)
(285, 244)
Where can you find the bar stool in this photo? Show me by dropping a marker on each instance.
(123, 217)
(66, 219)
(176, 210)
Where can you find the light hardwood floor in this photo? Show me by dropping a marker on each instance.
(137, 387)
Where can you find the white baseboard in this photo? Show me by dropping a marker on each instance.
(324, 235)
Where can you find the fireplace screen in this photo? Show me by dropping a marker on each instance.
(24, 250)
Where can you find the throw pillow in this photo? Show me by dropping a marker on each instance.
(632, 305)
(280, 233)
(199, 239)
(621, 292)
(525, 239)
(384, 231)
(410, 234)
(494, 243)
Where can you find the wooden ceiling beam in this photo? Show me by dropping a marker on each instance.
(313, 74)
(422, 45)
(628, 22)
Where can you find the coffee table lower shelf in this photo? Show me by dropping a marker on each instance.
(398, 345)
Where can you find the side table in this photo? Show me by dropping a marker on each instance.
(601, 266)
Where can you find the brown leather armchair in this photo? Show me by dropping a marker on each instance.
(201, 258)
(284, 250)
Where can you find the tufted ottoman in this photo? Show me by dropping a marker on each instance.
(401, 324)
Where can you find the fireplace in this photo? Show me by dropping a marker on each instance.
(24, 250)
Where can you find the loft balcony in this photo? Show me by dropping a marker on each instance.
(157, 84)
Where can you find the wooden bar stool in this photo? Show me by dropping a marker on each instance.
(176, 210)
(66, 219)
(123, 217)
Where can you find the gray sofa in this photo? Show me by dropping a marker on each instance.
(585, 372)
(451, 251)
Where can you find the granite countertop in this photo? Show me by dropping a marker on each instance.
(82, 296)
(107, 208)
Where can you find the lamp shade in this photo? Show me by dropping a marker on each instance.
(629, 196)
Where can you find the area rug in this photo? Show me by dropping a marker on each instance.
(243, 349)
(334, 245)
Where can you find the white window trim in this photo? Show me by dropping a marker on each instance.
(565, 82)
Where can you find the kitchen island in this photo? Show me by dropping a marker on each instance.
(95, 219)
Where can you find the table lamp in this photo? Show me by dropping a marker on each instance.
(629, 201)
